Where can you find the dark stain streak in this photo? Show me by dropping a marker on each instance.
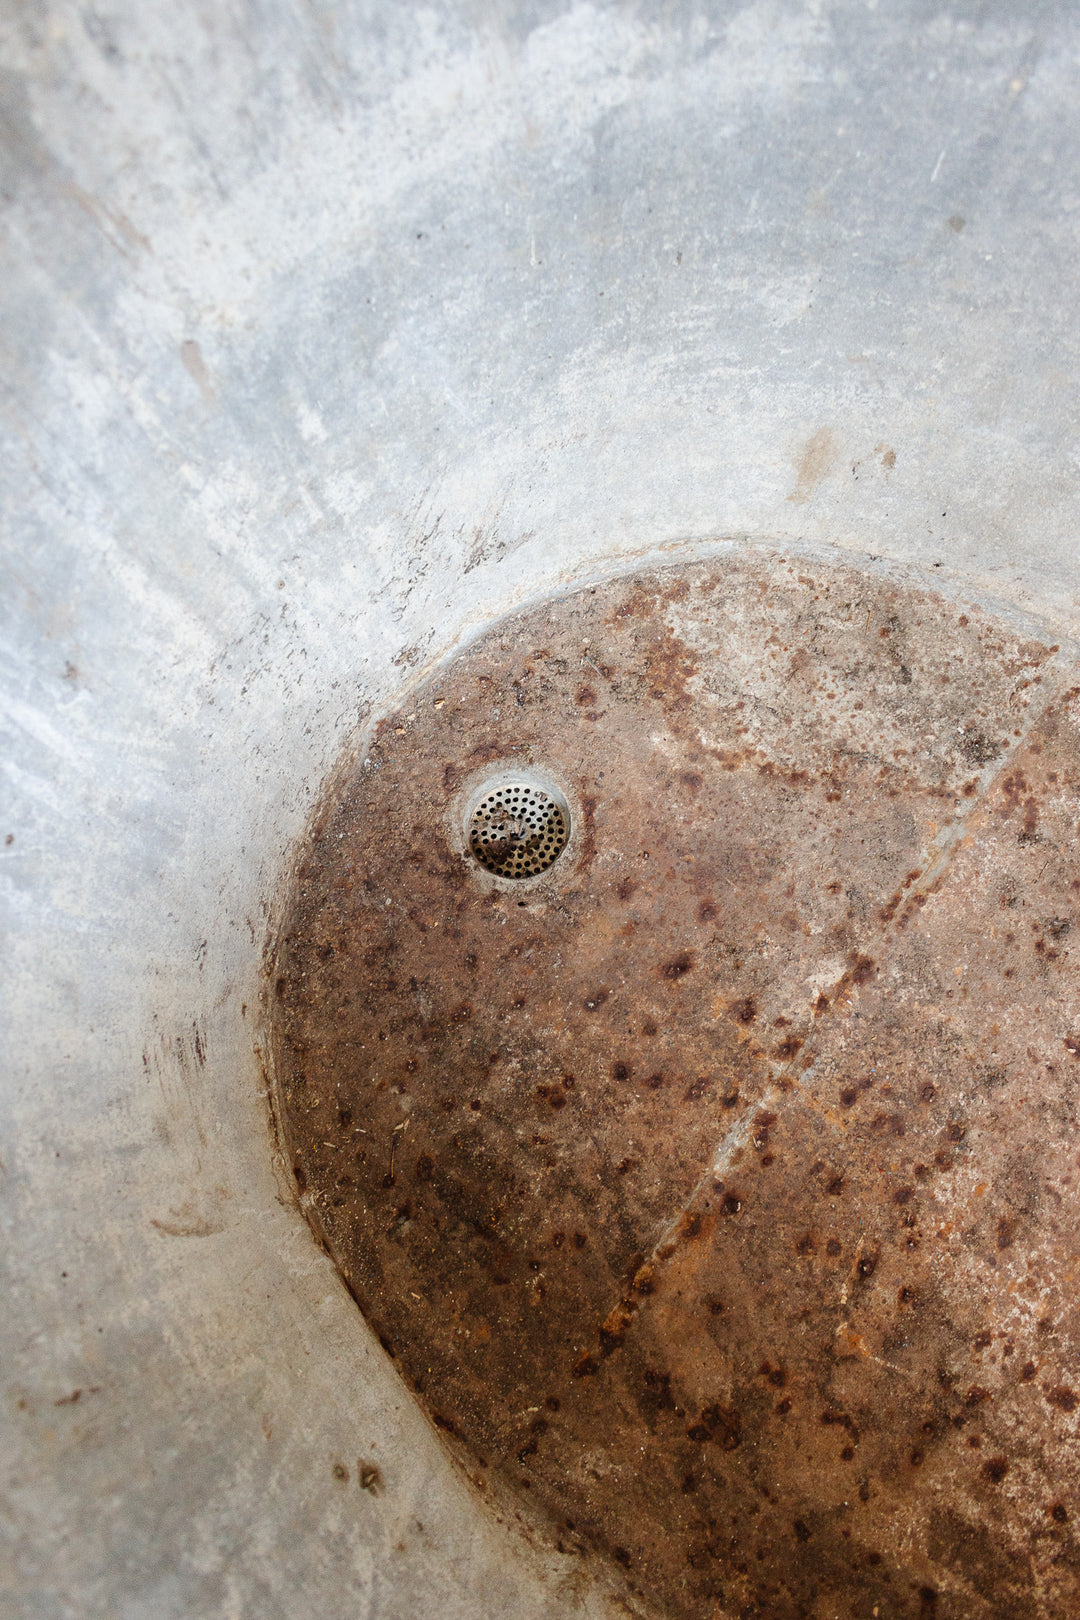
(588, 840)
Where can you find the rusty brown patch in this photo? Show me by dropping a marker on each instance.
(771, 1323)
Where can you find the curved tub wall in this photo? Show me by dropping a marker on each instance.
(331, 335)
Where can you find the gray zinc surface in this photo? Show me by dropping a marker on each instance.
(329, 334)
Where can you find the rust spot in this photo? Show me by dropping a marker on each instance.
(977, 748)
(815, 461)
(719, 1425)
(612, 1330)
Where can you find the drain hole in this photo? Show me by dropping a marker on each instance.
(518, 830)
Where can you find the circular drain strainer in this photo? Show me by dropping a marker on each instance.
(518, 829)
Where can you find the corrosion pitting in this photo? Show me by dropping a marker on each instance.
(716, 1190)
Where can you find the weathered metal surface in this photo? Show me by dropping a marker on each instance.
(717, 1188)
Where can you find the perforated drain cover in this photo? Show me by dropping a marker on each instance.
(716, 1187)
(518, 829)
